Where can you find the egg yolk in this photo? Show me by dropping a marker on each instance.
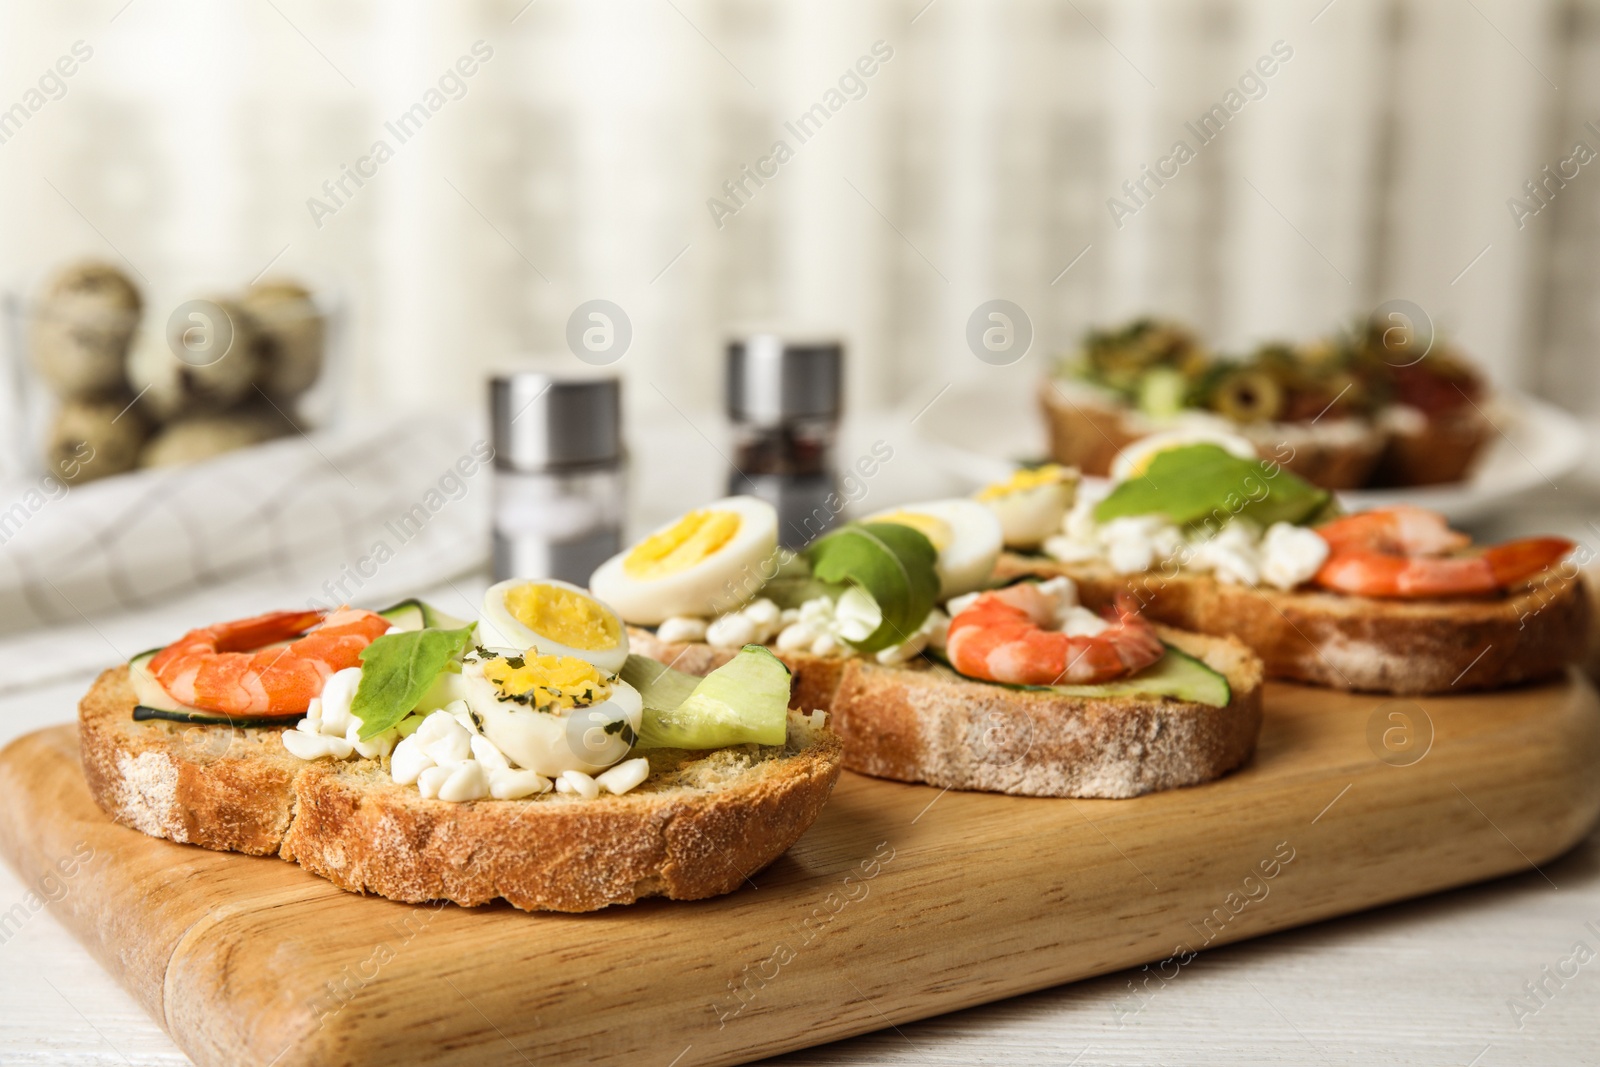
(1024, 480)
(937, 531)
(547, 683)
(563, 615)
(693, 538)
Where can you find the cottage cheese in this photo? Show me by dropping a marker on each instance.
(754, 624)
(820, 626)
(1291, 555)
(1240, 553)
(442, 753)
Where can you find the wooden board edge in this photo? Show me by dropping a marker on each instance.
(1570, 743)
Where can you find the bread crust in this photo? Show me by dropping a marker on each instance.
(698, 827)
(1403, 647)
(921, 723)
(221, 787)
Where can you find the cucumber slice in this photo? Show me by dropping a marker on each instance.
(199, 716)
(659, 686)
(1177, 675)
(145, 686)
(439, 620)
(745, 700)
(414, 614)
(1162, 392)
(408, 615)
(748, 695)
(448, 688)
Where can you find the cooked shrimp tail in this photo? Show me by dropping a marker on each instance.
(248, 635)
(1516, 561)
(1410, 552)
(1012, 635)
(271, 664)
(1404, 530)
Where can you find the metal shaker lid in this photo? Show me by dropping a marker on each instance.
(772, 378)
(548, 421)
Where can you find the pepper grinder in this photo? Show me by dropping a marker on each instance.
(560, 474)
(783, 397)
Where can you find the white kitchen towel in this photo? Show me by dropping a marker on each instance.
(95, 573)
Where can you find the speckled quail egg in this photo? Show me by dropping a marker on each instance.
(81, 327)
(203, 359)
(289, 338)
(92, 439)
(192, 438)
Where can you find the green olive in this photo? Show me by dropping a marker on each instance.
(1248, 395)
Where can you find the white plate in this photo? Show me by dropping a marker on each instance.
(982, 433)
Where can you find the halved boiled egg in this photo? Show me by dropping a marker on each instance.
(965, 533)
(706, 563)
(555, 619)
(551, 713)
(1135, 459)
(1031, 503)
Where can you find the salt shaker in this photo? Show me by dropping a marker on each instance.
(560, 474)
(783, 398)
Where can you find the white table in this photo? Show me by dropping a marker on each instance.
(1426, 982)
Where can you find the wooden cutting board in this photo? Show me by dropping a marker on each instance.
(901, 902)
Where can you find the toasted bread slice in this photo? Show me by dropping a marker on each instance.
(1443, 450)
(1350, 642)
(1084, 434)
(697, 827)
(919, 722)
(1338, 455)
(1088, 433)
(928, 724)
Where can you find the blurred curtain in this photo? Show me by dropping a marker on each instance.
(978, 162)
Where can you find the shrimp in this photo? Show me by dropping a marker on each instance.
(1005, 636)
(240, 667)
(1407, 551)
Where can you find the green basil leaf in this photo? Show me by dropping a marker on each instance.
(397, 669)
(891, 563)
(1205, 483)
